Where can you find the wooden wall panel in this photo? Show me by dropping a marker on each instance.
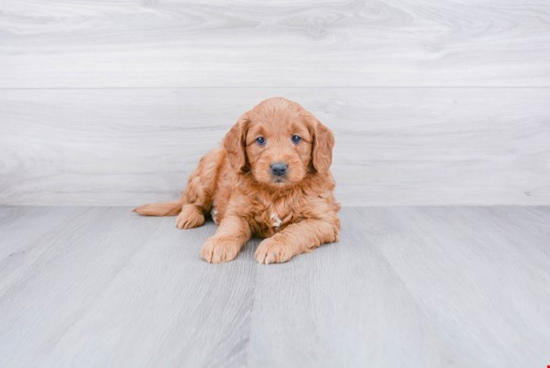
(433, 102)
(394, 146)
(306, 43)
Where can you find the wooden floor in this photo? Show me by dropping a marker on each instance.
(406, 286)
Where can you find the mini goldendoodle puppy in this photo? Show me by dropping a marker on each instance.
(271, 179)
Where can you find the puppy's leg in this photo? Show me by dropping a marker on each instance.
(196, 199)
(296, 239)
(230, 237)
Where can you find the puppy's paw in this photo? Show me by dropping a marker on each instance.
(189, 217)
(220, 249)
(271, 250)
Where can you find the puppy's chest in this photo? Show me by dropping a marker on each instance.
(271, 219)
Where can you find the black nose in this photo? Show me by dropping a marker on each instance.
(279, 168)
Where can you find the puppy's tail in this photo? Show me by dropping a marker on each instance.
(159, 209)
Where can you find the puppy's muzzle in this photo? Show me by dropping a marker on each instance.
(279, 169)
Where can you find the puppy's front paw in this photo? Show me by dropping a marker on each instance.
(271, 250)
(218, 250)
(189, 217)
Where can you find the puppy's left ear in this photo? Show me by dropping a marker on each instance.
(323, 142)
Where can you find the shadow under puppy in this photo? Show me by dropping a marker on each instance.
(270, 178)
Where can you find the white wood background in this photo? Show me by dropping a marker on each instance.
(112, 103)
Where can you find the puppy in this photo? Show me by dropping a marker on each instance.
(271, 179)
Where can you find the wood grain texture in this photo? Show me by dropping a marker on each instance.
(344, 306)
(394, 146)
(406, 286)
(306, 43)
(476, 272)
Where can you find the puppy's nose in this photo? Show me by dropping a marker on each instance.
(279, 168)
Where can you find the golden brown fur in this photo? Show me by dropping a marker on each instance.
(295, 213)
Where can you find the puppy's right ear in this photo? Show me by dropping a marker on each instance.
(235, 143)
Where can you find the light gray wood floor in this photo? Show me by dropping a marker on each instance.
(406, 286)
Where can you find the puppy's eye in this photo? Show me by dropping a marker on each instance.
(261, 141)
(296, 139)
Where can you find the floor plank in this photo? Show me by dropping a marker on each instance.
(56, 283)
(414, 286)
(351, 311)
(25, 235)
(481, 278)
(184, 312)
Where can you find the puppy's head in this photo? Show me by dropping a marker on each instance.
(279, 143)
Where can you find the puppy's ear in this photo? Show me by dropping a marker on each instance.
(235, 143)
(323, 142)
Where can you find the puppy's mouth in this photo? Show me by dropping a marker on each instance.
(280, 179)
